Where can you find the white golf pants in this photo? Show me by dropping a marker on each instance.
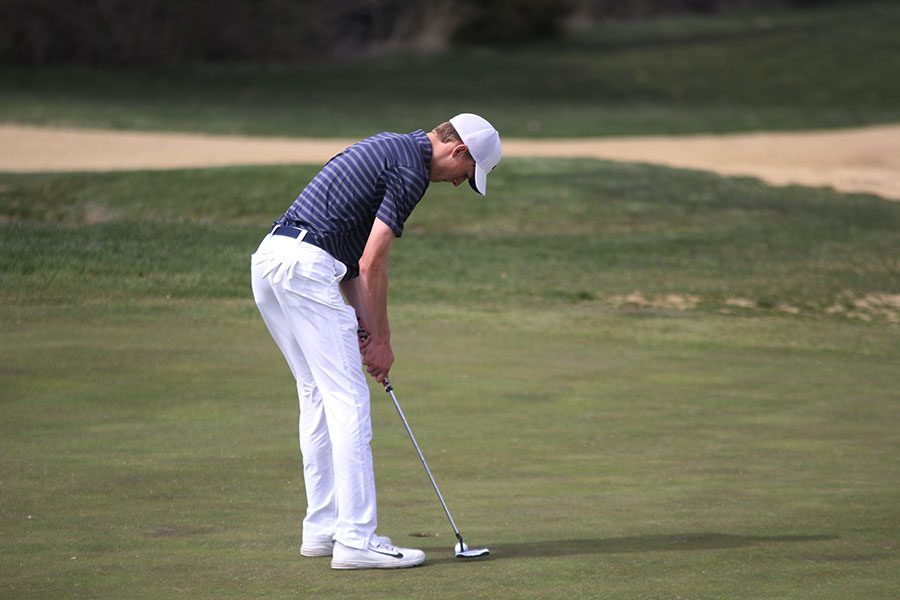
(296, 287)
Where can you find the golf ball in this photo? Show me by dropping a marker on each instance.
(461, 547)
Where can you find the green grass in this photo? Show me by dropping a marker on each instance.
(151, 453)
(552, 232)
(600, 448)
(776, 69)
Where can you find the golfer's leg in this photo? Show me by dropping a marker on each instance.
(350, 428)
(318, 471)
(274, 318)
(315, 446)
(326, 332)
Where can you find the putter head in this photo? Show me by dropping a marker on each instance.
(462, 550)
(472, 553)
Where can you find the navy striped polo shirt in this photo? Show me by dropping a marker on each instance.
(383, 176)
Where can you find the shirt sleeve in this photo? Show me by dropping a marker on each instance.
(402, 191)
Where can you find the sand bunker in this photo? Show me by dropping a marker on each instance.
(855, 160)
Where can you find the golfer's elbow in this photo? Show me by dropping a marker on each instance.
(372, 269)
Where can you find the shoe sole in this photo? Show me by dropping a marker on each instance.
(321, 552)
(346, 566)
(315, 552)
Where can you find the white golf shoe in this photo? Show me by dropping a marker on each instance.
(315, 549)
(379, 555)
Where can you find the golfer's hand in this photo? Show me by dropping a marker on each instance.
(378, 358)
(362, 336)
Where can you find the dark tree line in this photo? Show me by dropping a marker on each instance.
(154, 32)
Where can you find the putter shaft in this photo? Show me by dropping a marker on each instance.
(390, 390)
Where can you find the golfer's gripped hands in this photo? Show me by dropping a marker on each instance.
(377, 354)
(378, 358)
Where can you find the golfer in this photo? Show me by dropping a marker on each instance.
(322, 272)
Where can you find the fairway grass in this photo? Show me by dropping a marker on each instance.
(605, 434)
(150, 451)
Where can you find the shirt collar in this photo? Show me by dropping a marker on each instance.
(424, 145)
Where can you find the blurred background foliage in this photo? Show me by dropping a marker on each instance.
(165, 32)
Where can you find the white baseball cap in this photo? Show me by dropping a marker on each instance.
(483, 142)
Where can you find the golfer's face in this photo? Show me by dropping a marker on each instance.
(456, 168)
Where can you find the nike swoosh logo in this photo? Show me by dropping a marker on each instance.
(391, 554)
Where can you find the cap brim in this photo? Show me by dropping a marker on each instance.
(479, 182)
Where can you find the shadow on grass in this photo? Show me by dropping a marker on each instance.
(644, 543)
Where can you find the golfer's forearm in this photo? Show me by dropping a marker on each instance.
(353, 296)
(373, 279)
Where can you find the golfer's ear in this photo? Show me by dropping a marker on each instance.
(460, 149)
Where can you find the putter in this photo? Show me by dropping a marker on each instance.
(461, 550)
